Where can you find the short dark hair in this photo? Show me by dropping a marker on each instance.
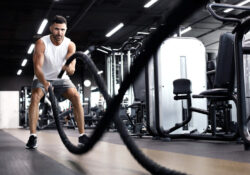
(59, 19)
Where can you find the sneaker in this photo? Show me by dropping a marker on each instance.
(32, 142)
(82, 140)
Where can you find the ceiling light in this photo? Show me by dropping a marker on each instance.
(86, 52)
(186, 30)
(31, 48)
(142, 33)
(102, 50)
(100, 72)
(42, 26)
(24, 62)
(239, 4)
(114, 30)
(150, 3)
(19, 72)
(87, 83)
(107, 48)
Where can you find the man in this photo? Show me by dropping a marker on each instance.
(50, 54)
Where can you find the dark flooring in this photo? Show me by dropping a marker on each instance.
(15, 159)
(110, 156)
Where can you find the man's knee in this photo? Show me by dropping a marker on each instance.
(36, 95)
(75, 96)
(72, 94)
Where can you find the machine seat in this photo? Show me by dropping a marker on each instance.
(216, 92)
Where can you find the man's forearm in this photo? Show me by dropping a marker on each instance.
(40, 76)
(71, 70)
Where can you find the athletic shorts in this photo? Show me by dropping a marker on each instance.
(59, 86)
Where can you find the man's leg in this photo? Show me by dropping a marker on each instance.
(36, 96)
(74, 97)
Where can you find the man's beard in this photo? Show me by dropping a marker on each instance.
(57, 37)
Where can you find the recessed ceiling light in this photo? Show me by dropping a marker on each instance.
(31, 48)
(114, 30)
(239, 4)
(24, 62)
(42, 26)
(19, 72)
(102, 50)
(150, 3)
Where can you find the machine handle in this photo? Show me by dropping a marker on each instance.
(222, 18)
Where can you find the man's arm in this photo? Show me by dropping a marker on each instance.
(70, 69)
(38, 59)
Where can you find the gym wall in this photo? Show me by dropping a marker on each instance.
(14, 83)
(9, 109)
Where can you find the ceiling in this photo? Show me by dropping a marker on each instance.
(88, 23)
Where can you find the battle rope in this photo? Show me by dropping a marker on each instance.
(136, 152)
(178, 14)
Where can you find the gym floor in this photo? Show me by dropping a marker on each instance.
(110, 156)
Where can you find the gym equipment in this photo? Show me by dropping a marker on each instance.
(223, 88)
(24, 97)
(175, 59)
(174, 17)
(46, 119)
(140, 124)
(150, 98)
(219, 110)
(118, 64)
(241, 28)
(210, 73)
(222, 91)
(132, 110)
(230, 56)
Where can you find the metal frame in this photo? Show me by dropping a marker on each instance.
(240, 29)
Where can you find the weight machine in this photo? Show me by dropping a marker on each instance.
(24, 97)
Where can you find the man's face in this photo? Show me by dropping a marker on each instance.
(58, 31)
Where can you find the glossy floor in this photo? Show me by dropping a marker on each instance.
(110, 156)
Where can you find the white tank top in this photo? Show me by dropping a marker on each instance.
(54, 58)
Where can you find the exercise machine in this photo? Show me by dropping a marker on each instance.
(24, 97)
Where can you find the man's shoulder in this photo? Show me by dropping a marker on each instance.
(40, 43)
(67, 39)
(72, 44)
(45, 39)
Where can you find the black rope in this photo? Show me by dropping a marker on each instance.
(178, 14)
(104, 121)
(136, 152)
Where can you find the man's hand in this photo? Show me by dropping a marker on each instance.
(68, 69)
(46, 85)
